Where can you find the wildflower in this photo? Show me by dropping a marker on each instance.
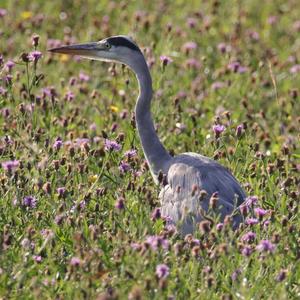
(3, 12)
(165, 60)
(25, 243)
(37, 258)
(265, 245)
(239, 130)
(120, 203)
(219, 226)
(35, 40)
(260, 212)
(9, 66)
(187, 47)
(69, 96)
(93, 127)
(235, 274)
(192, 22)
(26, 14)
(251, 221)
(57, 144)
(193, 63)
(272, 20)
(84, 77)
(248, 237)
(30, 201)
(282, 275)
(75, 261)
(295, 69)
(156, 241)
(162, 271)
(124, 167)
(217, 85)
(218, 129)
(3, 91)
(251, 200)
(130, 153)
(236, 67)
(1, 60)
(224, 48)
(114, 108)
(246, 251)
(156, 214)
(8, 79)
(61, 191)
(10, 165)
(110, 145)
(35, 56)
(81, 141)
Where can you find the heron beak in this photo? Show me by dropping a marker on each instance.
(88, 49)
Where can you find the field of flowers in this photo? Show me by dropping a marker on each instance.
(79, 211)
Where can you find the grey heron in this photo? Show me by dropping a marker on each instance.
(195, 185)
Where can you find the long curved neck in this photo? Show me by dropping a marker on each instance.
(156, 155)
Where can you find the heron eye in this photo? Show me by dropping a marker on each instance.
(107, 45)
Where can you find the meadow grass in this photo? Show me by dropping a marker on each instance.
(76, 217)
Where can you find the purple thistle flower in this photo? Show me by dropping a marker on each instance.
(219, 226)
(75, 261)
(10, 165)
(61, 191)
(193, 63)
(156, 214)
(218, 129)
(93, 127)
(295, 69)
(37, 258)
(156, 241)
(3, 91)
(239, 130)
(265, 245)
(84, 77)
(236, 67)
(8, 79)
(124, 167)
(35, 55)
(35, 40)
(248, 237)
(165, 60)
(81, 141)
(120, 203)
(130, 153)
(162, 271)
(251, 221)
(9, 66)
(235, 274)
(246, 251)
(69, 96)
(30, 201)
(57, 144)
(3, 12)
(251, 200)
(224, 48)
(281, 276)
(188, 46)
(217, 85)
(110, 145)
(260, 212)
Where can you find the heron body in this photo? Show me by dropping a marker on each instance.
(188, 174)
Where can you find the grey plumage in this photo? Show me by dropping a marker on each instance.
(187, 174)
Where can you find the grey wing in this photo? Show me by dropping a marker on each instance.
(180, 201)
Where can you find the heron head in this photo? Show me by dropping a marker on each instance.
(116, 49)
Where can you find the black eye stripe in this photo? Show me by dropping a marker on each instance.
(121, 41)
